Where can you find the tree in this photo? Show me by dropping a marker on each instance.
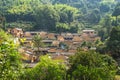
(116, 13)
(106, 28)
(68, 18)
(46, 69)
(89, 65)
(10, 64)
(62, 27)
(108, 24)
(37, 42)
(113, 43)
(46, 17)
(67, 13)
(104, 7)
(94, 16)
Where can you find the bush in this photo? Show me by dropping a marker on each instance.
(91, 66)
(46, 69)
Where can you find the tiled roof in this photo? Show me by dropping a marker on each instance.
(88, 30)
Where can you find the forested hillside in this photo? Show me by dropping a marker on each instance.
(60, 15)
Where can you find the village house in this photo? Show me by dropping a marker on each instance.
(77, 39)
(47, 42)
(56, 43)
(60, 38)
(51, 36)
(89, 32)
(31, 34)
(27, 55)
(27, 34)
(67, 36)
(16, 32)
(43, 35)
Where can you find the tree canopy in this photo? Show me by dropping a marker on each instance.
(91, 66)
(113, 43)
(52, 15)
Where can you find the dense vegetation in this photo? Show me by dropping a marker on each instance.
(61, 15)
(46, 69)
(10, 63)
(91, 66)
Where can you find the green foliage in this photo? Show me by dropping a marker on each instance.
(55, 17)
(46, 17)
(21, 24)
(104, 7)
(49, 14)
(113, 43)
(62, 27)
(68, 18)
(37, 42)
(10, 64)
(91, 66)
(67, 13)
(94, 16)
(46, 69)
(117, 10)
(3, 36)
(106, 27)
(116, 13)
